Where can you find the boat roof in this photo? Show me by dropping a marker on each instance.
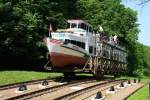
(79, 21)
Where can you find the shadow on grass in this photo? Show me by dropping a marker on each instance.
(21, 68)
(21, 63)
(81, 76)
(67, 79)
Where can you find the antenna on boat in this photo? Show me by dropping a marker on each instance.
(50, 30)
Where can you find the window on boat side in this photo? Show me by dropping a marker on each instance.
(90, 49)
(73, 42)
(67, 41)
(95, 51)
(83, 45)
(90, 29)
(77, 43)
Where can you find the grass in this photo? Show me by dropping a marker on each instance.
(141, 94)
(8, 77)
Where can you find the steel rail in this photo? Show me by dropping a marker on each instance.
(48, 90)
(88, 89)
(114, 84)
(15, 85)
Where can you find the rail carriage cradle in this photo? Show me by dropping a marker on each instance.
(78, 48)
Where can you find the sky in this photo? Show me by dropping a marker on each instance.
(143, 19)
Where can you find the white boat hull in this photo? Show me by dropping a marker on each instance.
(62, 56)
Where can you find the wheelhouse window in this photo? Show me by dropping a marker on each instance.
(83, 26)
(90, 49)
(73, 25)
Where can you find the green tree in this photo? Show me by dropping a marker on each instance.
(24, 23)
(112, 15)
(23, 26)
(115, 19)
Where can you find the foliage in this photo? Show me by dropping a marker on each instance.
(146, 58)
(23, 26)
(142, 60)
(116, 20)
(112, 16)
(22, 76)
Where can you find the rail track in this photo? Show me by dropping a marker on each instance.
(15, 85)
(77, 94)
(33, 88)
(63, 92)
(90, 94)
(10, 90)
(58, 91)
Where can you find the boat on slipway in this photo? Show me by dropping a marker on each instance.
(71, 47)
